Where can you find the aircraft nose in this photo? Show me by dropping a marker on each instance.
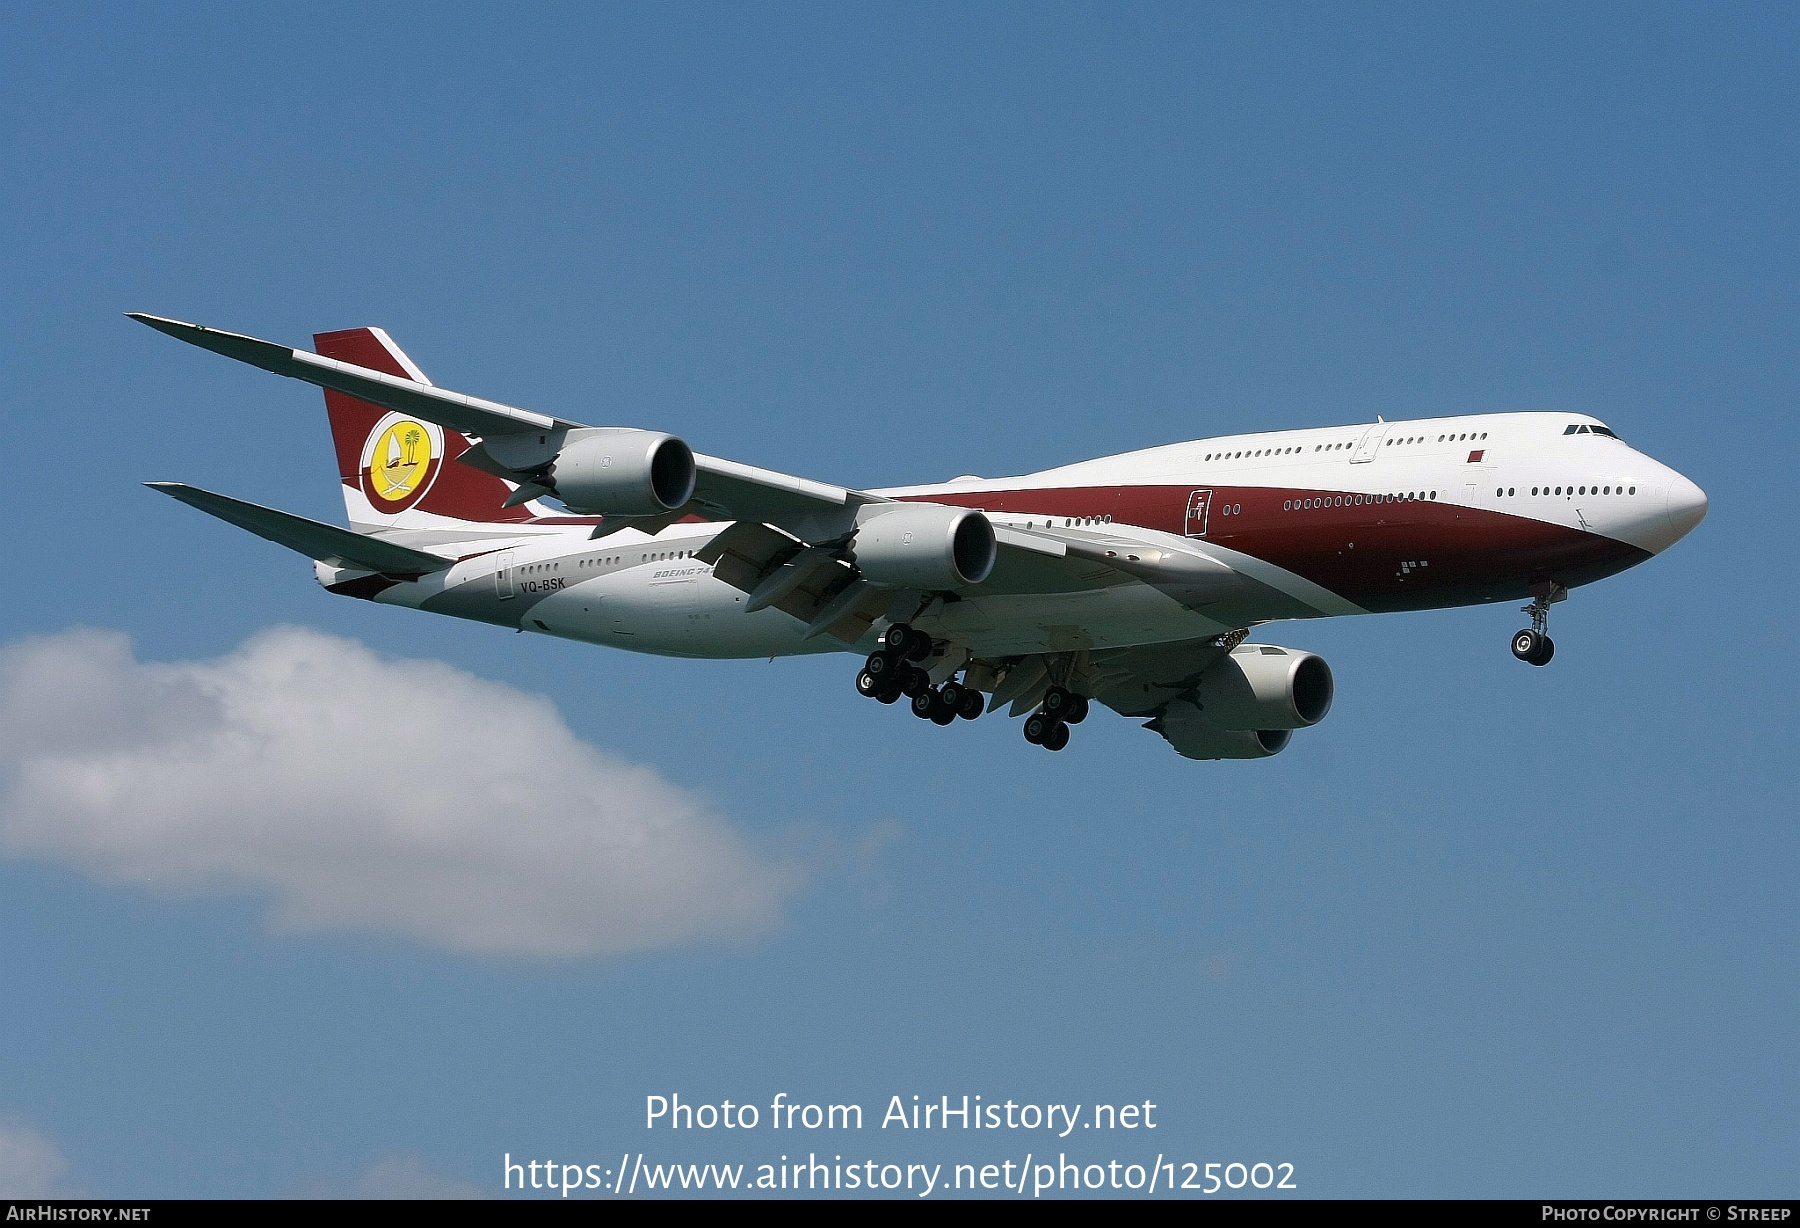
(1685, 506)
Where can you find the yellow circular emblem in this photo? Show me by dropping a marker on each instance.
(400, 460)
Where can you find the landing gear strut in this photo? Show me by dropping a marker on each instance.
(1534, 646)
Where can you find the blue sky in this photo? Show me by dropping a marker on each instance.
(1488, 930)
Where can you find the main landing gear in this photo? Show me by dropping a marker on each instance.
(1048, 727)
(891, 672)
(894, 671)
(1534, 646)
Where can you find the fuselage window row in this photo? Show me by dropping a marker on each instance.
(1256, 453)
(1411, 496)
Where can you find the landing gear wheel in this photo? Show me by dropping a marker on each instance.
(973, 704)
(905, 643)
(1057, 738)
(1039, 727)
(1533, 647)
(924, 703)
(915, 681)
(1077, 711)
(881, 664)
(942, 712)
(887, 697)
(952, 694)
(1058, 701)
(868, 685)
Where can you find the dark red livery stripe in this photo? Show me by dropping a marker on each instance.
(1409, 554)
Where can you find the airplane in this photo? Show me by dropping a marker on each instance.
(1133, 581)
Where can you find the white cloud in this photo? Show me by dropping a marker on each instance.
(362, 793)
(31, 1166)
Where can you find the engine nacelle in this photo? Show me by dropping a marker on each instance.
(623, 472)
(926, 546)
(1262, 687)
(1186, 728)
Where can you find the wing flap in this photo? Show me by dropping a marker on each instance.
(325, 543)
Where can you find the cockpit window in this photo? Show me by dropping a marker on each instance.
(1583, 428)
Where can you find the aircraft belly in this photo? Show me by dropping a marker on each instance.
(1115, 617)
(684, 615)
(682, 610)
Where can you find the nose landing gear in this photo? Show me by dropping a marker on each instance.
(1534, 646)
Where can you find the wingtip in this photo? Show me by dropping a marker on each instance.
(163, 324)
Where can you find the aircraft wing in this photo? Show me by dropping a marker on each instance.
(324, 542)
(808, 509)
(1140, 681)
(468, 414)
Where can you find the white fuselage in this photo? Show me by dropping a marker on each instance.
(1489, 501)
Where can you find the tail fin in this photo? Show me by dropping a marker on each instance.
(400, 472)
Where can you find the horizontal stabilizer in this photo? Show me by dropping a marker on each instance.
(324, 542)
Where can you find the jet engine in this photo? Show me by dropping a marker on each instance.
(926, 546)
(622, 472)
(1186, 728)
(604, 470)
(1262, 687)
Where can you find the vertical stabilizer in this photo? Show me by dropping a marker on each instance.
(399, 472)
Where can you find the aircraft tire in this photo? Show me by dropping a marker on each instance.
(1525, 645)
(915, 681)
(973, 704)
(1546, 650)
(1038, 727)
(1078, 711)
(868, 685)
(924, 703)
(1057, 738)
